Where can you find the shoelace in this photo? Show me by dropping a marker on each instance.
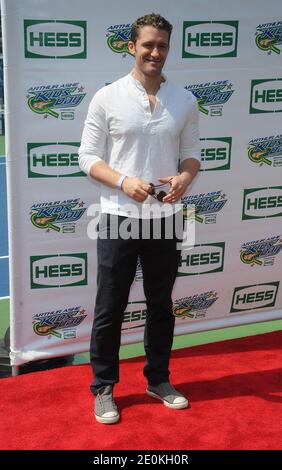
(106, 399)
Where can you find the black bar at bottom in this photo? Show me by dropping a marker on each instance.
(130, 458)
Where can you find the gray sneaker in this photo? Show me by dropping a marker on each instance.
(169, 396)
(106, 411)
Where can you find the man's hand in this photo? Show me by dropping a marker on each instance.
(178, 186)
(136, 188)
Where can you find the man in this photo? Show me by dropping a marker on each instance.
(139, 130)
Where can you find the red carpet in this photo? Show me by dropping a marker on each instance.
(235, 388)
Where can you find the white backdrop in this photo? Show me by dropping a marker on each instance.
(57, 54)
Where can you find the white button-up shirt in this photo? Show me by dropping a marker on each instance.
(121, 130)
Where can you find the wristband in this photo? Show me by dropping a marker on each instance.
(120, 181)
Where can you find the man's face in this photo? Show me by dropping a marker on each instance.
(150, 50)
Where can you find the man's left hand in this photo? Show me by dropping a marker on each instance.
(178, 186)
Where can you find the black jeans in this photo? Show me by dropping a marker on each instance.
(117, 260)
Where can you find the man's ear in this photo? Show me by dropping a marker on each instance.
(131, 47)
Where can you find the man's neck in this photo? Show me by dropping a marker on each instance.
(151, 84)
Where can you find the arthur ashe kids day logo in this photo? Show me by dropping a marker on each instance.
(53, 100)
(117, 38)
(269, 36)
(266, 150)
(194, 306)
(209, 39)
(59, 216)
(68, 319)
(211, 96)
(261, 252)
(206, 206)
(52, 39)
(139, 272)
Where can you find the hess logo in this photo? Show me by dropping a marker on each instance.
(210, 39)
(58, 270)
(216, 153)
(262, 202)
(135, 315)
(202, 259)
(53, 159)
(55, 38)
(254, 297)
(266, 96)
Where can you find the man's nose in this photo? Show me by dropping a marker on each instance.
(155, 52)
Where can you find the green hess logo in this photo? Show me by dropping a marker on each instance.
(266, 96)
(62, 270)
(53, 159)
(204, 39)
(262, 203)
(216, 153)
(202, 259)
(254, 297)
(52, 39)
(135, 315)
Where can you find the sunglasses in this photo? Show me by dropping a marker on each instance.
(159, 191)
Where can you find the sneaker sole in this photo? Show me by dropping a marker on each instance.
(112, 420)
(175, 406)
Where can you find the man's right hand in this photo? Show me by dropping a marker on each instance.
(136, 188)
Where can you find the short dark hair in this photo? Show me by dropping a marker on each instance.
(153, 19)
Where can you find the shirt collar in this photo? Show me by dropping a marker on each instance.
(139, 87)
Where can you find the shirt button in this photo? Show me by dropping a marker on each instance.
(153, 131)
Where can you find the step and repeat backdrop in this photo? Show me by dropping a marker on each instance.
(57, 54)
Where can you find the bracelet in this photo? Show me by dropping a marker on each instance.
(120, 181)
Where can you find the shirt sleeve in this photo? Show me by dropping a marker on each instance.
(189, 138)
(93, 140)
